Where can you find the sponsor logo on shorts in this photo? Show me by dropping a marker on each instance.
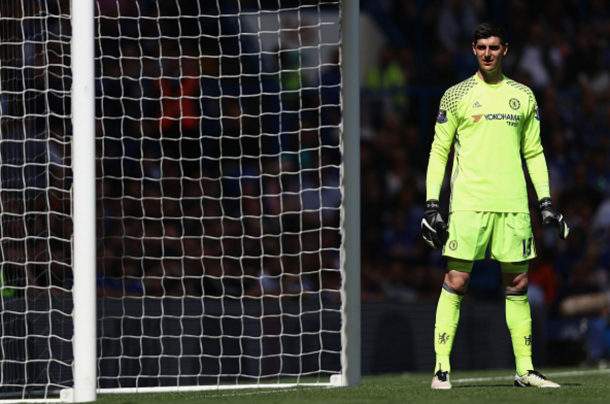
(453, 245)
(514, 103)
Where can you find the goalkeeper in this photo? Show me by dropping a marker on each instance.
(493, 122)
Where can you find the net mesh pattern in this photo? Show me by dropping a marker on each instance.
(219, 191)
(35, 204)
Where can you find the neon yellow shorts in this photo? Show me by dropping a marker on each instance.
(508, 235)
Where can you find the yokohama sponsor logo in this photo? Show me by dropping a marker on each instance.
(502, 117)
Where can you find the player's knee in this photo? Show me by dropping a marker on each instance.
(516, 282)
(456, 288)
(458, 276)
(521, 285)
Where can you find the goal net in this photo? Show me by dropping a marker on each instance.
(220, 228)
(218, 193)
(35, 208)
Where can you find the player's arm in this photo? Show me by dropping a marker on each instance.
(538, 171)
(444, 132)
(434, 229)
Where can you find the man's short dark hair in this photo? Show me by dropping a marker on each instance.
(487, 30)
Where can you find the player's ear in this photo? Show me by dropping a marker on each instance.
(505, 49)
(474, 48)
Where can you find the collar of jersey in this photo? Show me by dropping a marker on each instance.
(491, 86)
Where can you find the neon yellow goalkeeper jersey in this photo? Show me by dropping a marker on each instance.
(492, 125)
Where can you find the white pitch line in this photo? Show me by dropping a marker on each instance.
(555, 374)
(254, 393)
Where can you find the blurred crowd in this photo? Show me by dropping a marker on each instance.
(561, 50)
(219, 172)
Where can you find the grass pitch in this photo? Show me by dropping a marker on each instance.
(579, 385)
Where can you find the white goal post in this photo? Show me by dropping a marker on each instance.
(180, 196)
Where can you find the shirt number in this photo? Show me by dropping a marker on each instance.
(527, 246)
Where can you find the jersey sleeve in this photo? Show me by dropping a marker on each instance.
(532, 150)
(444, 131)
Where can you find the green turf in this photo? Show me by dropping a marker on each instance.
(581, 385)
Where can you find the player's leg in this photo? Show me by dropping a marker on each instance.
(519, 321)
(518, 315)
(468, 237)
(448, 310)
(513, 245)
(447, 318)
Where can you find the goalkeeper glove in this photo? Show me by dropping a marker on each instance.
(551, 217)
(433, 228)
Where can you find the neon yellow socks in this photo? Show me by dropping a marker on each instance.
(447, 318)
(519, 321)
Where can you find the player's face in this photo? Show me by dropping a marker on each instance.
(489, 53)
